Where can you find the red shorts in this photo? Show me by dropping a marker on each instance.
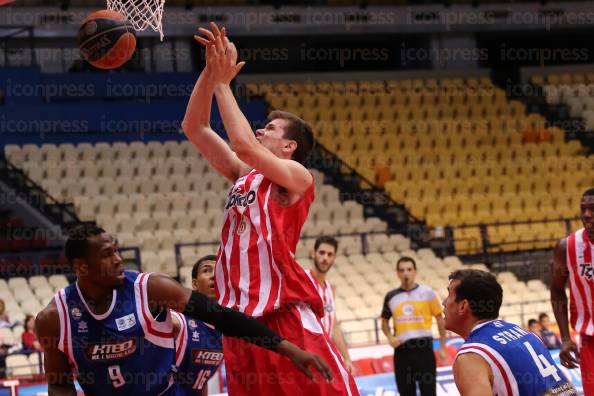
(252, 370)
(587, 364)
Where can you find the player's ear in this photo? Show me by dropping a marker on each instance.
(290, 146)
(194, 283)
(464, 307)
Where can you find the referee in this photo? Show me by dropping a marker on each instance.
(412, 307)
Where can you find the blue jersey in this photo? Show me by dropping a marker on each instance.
(521, 364)
(124, 351)
(199, 352)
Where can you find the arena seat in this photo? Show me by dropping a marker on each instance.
(18, 364)
(437, 135)
(137, 187)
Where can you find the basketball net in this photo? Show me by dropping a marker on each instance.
(141, 13)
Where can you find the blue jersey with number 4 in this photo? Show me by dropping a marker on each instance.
(124, 351)
(199, 352)
(521, 364)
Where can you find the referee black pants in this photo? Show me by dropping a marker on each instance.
(414, 363)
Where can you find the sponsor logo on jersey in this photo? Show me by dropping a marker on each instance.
(111, 350)
(586, 270)
(241, 200)
(126, 322)
(408, 309)
(206, 357)
(192, 323)
(76, 314)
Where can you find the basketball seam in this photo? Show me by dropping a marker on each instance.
(103, 32)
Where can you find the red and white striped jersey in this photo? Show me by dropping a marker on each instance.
(256, 272)
(581, 282)
(327, 295)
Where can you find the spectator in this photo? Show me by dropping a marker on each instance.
(413, 307)
(550, 339)
(534, 327)
(28, 338)
(4, 321)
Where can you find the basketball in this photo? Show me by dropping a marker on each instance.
(106, 39)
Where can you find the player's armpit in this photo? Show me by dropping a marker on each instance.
(472, 375)
(57, 368)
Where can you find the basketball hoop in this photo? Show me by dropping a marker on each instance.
(141, 13)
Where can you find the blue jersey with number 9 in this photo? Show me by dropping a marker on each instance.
(520, 362)
(124, 351)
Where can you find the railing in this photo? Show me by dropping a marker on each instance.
(375, 200)
(487, 250)
(35, 369)
(375, 333)
(7, 33)
(364, 246)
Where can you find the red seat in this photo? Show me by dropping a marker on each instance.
(363, 367)
(384, 364)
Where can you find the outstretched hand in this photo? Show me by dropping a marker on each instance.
(221, 54)
(303, 359)
(569, 354)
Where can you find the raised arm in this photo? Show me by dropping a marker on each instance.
(559, 302)
(196, 126)
(58, 372)
(164, 291)
(286, 173)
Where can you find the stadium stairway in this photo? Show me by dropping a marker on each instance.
(30, 196)
(354, 186)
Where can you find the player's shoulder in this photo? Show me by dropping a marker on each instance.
(47, 321)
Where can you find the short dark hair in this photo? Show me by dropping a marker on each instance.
(196, 267)
(481, 289)
(28, 317)
(542, 316)
(406, 259)
(76, 244)
(532, 322)
(297, 130)
(328, 240)
(589, 192)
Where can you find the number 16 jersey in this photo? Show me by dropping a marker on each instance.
(520, 363)
(124, 351)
